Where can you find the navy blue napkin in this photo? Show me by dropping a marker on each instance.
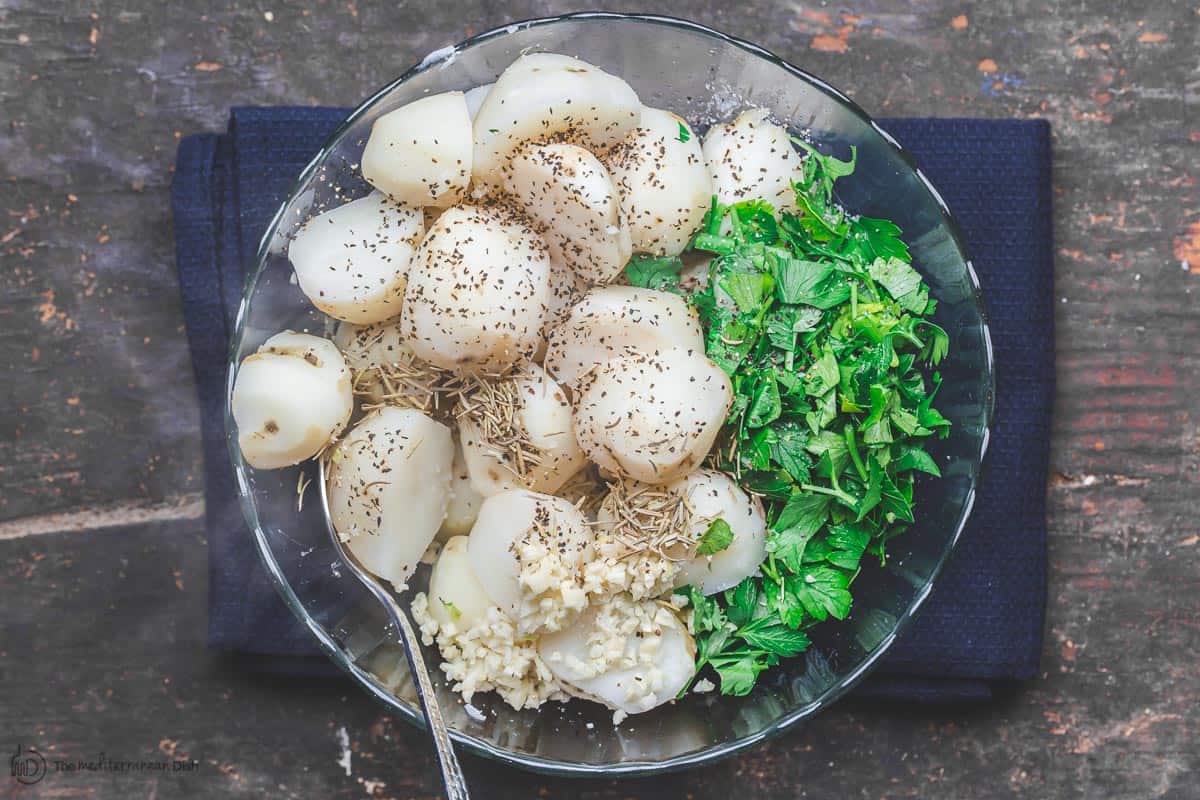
(981, 627)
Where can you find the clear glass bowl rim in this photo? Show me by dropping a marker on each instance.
(478, 746)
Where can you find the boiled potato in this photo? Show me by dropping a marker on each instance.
(474, 98)
(543, 413)
(652, 417)
(545, 97)
(478, 290)
(352, 261)
(752, 158)
(629, 655)
(518, 521)
(420, 154)
(290, 399)
(455, 594)
(617, 320)
(569, 192)
(567, 287)
(663, 183)
(464, 503)
(713, 495)
(385, 367)
(389, 485)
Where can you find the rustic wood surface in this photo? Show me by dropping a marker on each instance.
(102, 553)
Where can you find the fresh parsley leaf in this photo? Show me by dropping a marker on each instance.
(847, 544)
(802, 516)
(718, 537)
(782, 601)
(874, 488)
(738, 672)
(786, 322)
(707, 614)
(897, 499)
(654, 272)
(742, 601)
(809, 282)
(830, 447)
(931, 418)
(757, 221)
(823, 591)
(728, 341)
(882, 237)
(823, 375)
(774, 484)
(939, 342)
(765, 406)
(771, 635)
(748, 289)
(876, 428)
(915, 458)
(896, 276)
(788, 450)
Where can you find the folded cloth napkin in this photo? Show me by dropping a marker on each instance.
(982, 625)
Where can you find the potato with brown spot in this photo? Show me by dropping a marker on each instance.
(290, 399)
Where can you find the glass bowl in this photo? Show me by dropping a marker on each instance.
(705, 76)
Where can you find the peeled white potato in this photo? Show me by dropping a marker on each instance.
(752, 158)
(420, 154)
(474, 98)
(389, 484)
(384, 366)
(455, 595)
(652, 417)
(290, 399)
(663, 183)
(505, 522)
(548, 97)
(544, 412)
(630, 656)
(617, 320)
(713, 495)
(464, 503)
(567, 287)
(352, 261)
(569, 192)
(478, 290)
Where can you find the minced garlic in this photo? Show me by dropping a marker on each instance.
(489, 656)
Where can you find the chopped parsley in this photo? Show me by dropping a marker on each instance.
(824, 328)
(718, 537)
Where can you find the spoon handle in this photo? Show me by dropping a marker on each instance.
(456, 784)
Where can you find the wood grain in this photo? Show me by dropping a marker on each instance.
(101, 641)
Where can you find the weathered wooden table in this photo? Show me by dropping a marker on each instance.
(103, 573)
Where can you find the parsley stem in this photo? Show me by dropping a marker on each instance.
(847, 499)
(714, 243)
(852, 446)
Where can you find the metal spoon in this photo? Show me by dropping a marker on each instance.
(452, 776)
